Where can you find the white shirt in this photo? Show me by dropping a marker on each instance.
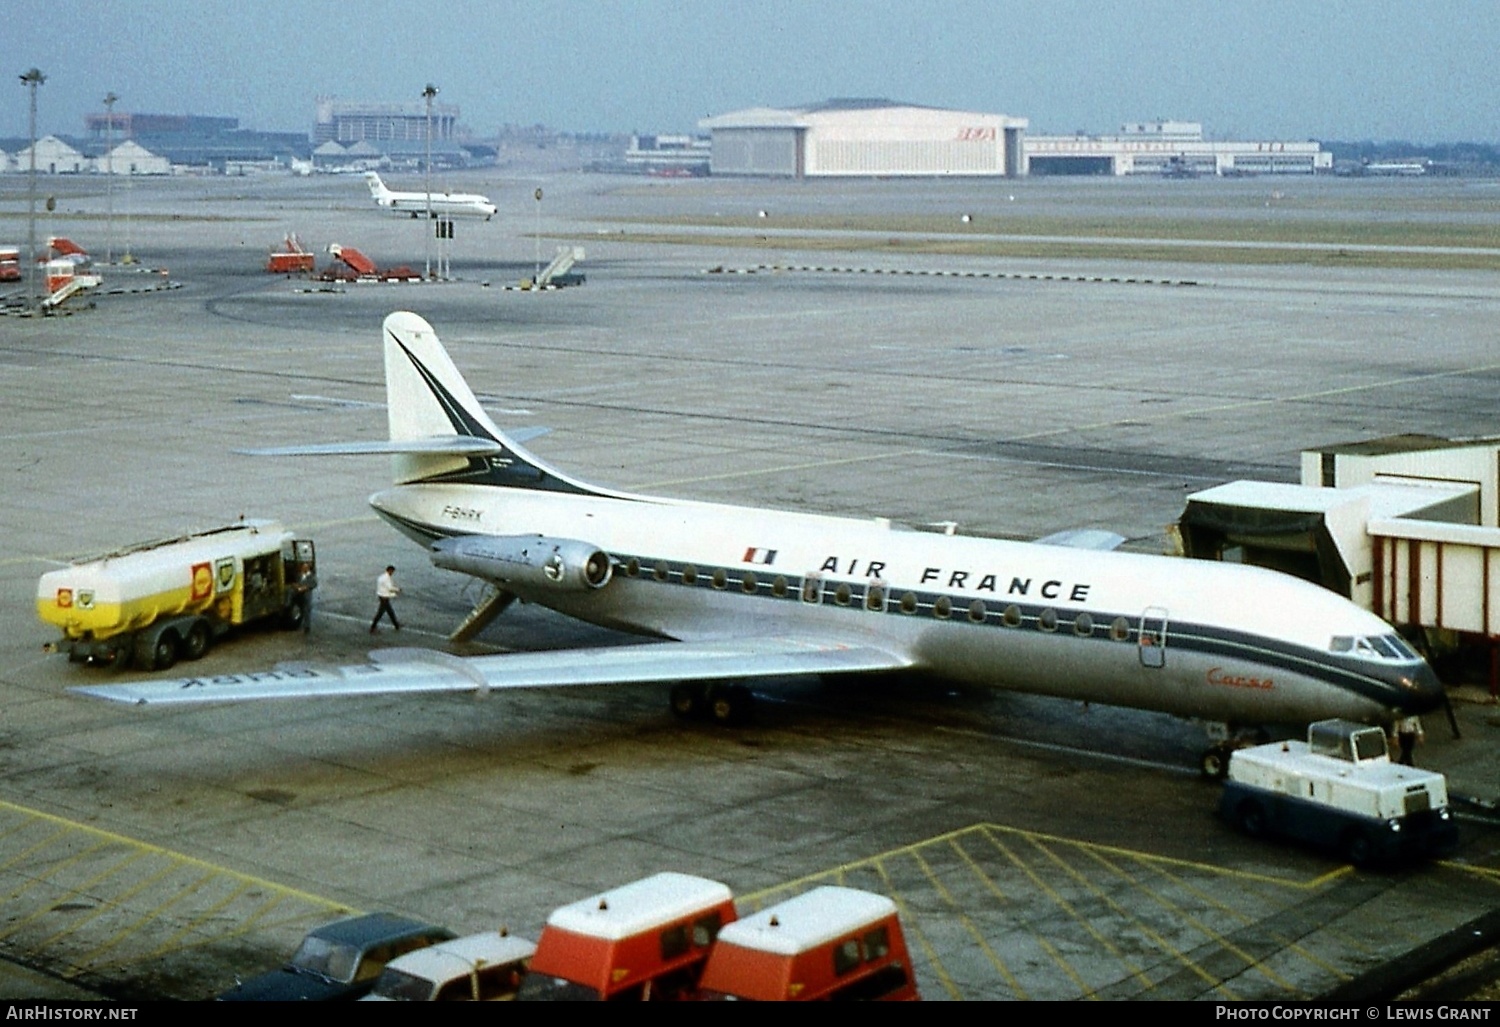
(385, 587)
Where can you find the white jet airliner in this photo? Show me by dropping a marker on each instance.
(442, 204)
(733, 593)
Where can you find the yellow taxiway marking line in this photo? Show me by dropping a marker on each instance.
(134, 850)
(1212, 901)
(1196, 923)
(915, 930)
(1048, 844)
(1067, 907)
(969, 926)
(1011, 980)
(64, 824)
(1490, 874)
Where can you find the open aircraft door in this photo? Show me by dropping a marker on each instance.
(1152, 640)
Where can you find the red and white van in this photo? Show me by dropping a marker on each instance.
(647, 940)
(828, 943)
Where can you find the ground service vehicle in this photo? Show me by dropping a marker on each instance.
(484, 967)
(647, 940)
(827, 944)
(10, 264)
(151, 603)
(341, 960)
(1340, 790)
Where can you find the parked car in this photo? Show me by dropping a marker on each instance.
(484, 967)
(340, 960)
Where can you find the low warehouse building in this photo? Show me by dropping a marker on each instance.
(874, 138)
(1171, 148)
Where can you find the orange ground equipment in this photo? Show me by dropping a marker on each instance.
(647, 940)
(827, 944)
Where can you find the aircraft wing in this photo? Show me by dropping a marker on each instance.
(423, 670)
(1084, 538)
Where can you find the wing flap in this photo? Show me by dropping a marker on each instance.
(394, 671)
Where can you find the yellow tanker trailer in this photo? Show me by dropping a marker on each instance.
(151, 603)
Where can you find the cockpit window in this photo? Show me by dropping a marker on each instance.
(1374, 647)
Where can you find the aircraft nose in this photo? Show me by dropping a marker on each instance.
(1421, 690)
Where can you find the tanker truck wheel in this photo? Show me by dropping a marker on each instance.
(164, 655)
(197, 642)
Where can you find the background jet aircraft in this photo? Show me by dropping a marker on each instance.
(736, 593)
(442, 204)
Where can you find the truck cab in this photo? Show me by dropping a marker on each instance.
(828, 944)
(1339, 790)
(644, 941)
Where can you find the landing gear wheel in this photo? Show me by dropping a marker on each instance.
(687, 700)
(732, 706)
(1214, 763)
(197, 641)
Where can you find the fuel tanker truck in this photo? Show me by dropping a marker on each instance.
(148, 605)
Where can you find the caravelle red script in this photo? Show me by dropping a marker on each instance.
(1217, 676)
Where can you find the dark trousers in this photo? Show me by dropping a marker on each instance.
(1408, 748)
(385, 610)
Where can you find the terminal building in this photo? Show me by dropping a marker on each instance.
(395, 131)
(872, 138)
(1172, 149)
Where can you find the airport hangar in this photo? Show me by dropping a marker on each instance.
(864, 138)
(880, 138)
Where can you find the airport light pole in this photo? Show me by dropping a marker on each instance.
(109, 171)
(536, 241)
(428, 94)
(31, 80)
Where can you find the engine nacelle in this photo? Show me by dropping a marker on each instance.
(526, 563)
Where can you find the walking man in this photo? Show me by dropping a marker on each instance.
(1410, 734)
(302, 593)
(385, 591)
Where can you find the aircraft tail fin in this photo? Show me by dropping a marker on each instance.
(377, 187)
(438, 429)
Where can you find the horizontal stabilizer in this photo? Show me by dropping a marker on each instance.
(409, 671)
(458, 445)
(1084, 538)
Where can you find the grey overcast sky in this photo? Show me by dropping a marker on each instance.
(1416, 70)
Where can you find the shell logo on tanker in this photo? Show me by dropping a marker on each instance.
(203, 581)
(65, 597)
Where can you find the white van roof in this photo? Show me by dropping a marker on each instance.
(639, 906)
(807, 921)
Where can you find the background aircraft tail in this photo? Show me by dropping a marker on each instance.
(438, 430)
(377, 187)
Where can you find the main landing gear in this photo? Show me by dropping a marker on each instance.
(729, 705)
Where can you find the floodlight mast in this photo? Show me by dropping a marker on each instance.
(428, 93)
(109, 171)
(31, 80)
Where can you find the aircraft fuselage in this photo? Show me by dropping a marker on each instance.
(1219, 642)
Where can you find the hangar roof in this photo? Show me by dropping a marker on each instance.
(807, 115)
